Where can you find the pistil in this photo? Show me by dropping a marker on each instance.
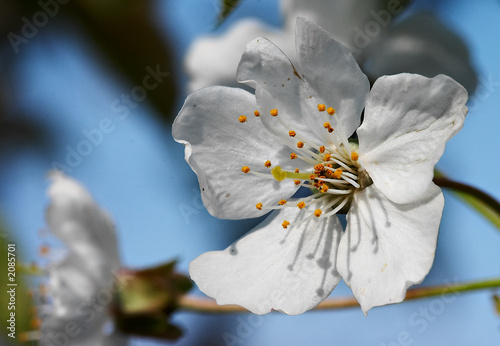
(281, 175)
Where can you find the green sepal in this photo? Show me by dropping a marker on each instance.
(152, 289)
(147, 298)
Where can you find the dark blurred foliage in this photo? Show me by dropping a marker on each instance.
(15, 130)
(122, 32)
(227, 7)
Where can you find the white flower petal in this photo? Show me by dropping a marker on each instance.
(388, 247)
(212, 60)
(290, 270)
(408, 120)
(264, 64)
(218, 146)
(71, 283)
(86, 274)
(87, 328)
(280, 86)
(87, 231)
(330, 69)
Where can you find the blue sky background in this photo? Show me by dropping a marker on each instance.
(139, 175)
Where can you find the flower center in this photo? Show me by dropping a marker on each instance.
(333, 175)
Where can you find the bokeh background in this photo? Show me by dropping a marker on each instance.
(69, 77)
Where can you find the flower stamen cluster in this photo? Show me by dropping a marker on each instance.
(332, 177)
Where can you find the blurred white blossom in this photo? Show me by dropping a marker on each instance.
(81, 284)
(419, 43)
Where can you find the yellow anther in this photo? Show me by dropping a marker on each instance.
(300, 144)
(291, 133)
(35, 323)
(297, 182)
(296, 170)
(318, 212)
(327, 157)
(274, 112)
(282, 202)
(322, 149)
(331, 110)
(293, 156)
(330, 129)
(256, 113)
(267, 163)
(324, 188)
(285, 224)
(319, 167)
(242, 118)
(312, 176)
(278, 173)
(258, 206)
(44, 250)
(337, 174)
(327, 125)
(321, 107)
(354, 156)
(245, 169)
(301, 205)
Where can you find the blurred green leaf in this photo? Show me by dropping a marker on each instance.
(477, 199)
(483, 208)
(496, 300)
(227, 7)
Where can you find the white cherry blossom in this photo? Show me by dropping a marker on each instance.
(253, 153)
(81, 284)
